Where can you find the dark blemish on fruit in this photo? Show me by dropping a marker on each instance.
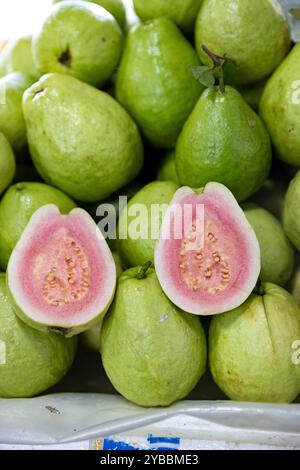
(65, 58)
(52, 410)
(103, 39)
(59, 329)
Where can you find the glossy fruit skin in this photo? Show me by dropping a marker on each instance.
(224, 140)
(153, 353)
(154, 80)
(7, 163)
(277, 254)
(18, 205)
(17, 57)
(167, 169)
(12, 123)
(115, 7)
(251, 348)
(279, 108)
(182, 12)
(35, 361)
(80, 39)
(291, 212)
(77, 162)
(136, 252)
(254, 33)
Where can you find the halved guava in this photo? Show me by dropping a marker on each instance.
(207, 258)
(61, 274)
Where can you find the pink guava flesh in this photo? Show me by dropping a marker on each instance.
(61, 272)
(212, 265)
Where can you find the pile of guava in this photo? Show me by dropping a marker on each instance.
(150, 176)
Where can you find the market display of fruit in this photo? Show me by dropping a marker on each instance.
(150, 200)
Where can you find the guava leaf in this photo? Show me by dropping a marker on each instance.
(204, 75)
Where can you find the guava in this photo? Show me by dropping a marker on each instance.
(153, 352)
(18, 205)
(12, 123)
(167, 170)
(17, 57)
(159, 97)
(252, 94)
(80, 39)
(140, 222)
(271, 197)
(291, 212)
(207, 258)
(293, 285)
(67, 142)
(254, 33)
(253, 349)
(182, 12)
(30, 361)
(277, 254)
(224, 140)
(279, 108)
(52, 269)
(7, 163)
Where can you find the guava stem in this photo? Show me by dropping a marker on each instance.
(218, 66)
(259, 288)
(143, 270)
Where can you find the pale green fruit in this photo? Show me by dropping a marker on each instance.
(167, 170)
(154, 81)
(140, 222)
(291, 212)
(80, 39)
(254, 33)
(18, 205)
(252, 352)
(12, 122)
(88, 147)
(7, 163)
(17, 57)
(271, 197)
(277, 255)
(279, 107)
(31, 361)
(294, 284)
(153, 352)
(182, 12)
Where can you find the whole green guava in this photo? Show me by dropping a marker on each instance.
(291, 211)
(17, 57)
(7, 163)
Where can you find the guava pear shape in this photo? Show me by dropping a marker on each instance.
(253, 349)
(12, 123)
(18, 205)
(224, 140)
(167, 170)
(154, 80)
(277, 254)
(115, 7)
(80, 39)
(7, 163)
(182, 12)
(291, 212)
(153, 352)
(89, 147)
(207, 258)
(140, 222)
(61, 274)
(17, 57)
(31, 361)
(279, 108)
(254, 33)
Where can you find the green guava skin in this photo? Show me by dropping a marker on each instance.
(89, 37)
(224, 140)
(293, 285)
(154, 80)
(17, 57)
(35, 361)
(7, 163)
(291, 212)
(115, 7)
(254, 33)
(252, 94)
(279, 108)
(271, 197)
(18, 205)
(250, 348)
(67, 123)
(182, 12)
(153, 352)
(134, 252)
(167, 169)
(277, 254)
(12, 123)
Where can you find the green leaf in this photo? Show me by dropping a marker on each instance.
(204, 75)
(229, 69)
(295, 12)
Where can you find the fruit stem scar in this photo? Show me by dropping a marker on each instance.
(143, 270)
